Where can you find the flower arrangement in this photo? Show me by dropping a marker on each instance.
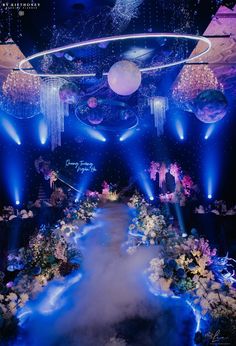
(86, 210)
(182, 261)
(137, 201)
(109, 192)
(154, 169)
(190, 269)
(82, 211)
(148, 223)
(105, 188)
(92, 194)
(49, 255)
(9, 303)
(45, 257)
(187, 184)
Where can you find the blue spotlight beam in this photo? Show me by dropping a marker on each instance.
(43, 132)
(179, 129)
(180, 218)
(137, 164)
(95, 134)
(10, 130)
(145, 185)
(126, 135)
(209, 131)
(13, 177)
(211, 168)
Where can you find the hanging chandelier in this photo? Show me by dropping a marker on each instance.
(158, 107)
(192, 80)
(53, 108)
(20, 95)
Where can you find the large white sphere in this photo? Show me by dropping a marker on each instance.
(124, 77)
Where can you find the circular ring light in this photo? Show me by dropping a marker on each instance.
(112, 39)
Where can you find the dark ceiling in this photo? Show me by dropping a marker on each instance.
(34, 29)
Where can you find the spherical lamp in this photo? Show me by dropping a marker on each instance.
(124, 77)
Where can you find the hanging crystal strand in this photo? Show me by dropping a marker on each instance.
(53, 108)
(158, 107)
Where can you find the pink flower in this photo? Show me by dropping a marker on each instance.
(10, 284)
(155, 167)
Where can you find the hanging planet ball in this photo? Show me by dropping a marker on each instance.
(124, 77)
(210, 106)
(95, 118)
(92, 102)
(69, 93)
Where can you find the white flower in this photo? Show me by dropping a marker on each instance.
(131, 250)
(144, 238)
(152, 242)
(215, 286)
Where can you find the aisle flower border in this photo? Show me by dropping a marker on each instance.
(187, 268)
(50, 254)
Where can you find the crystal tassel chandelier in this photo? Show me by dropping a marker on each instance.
(158, 107)
(53, 109)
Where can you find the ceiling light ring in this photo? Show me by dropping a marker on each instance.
(112, 39)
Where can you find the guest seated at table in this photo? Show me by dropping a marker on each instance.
(219, 207)
(200, 210)
(9, 213)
